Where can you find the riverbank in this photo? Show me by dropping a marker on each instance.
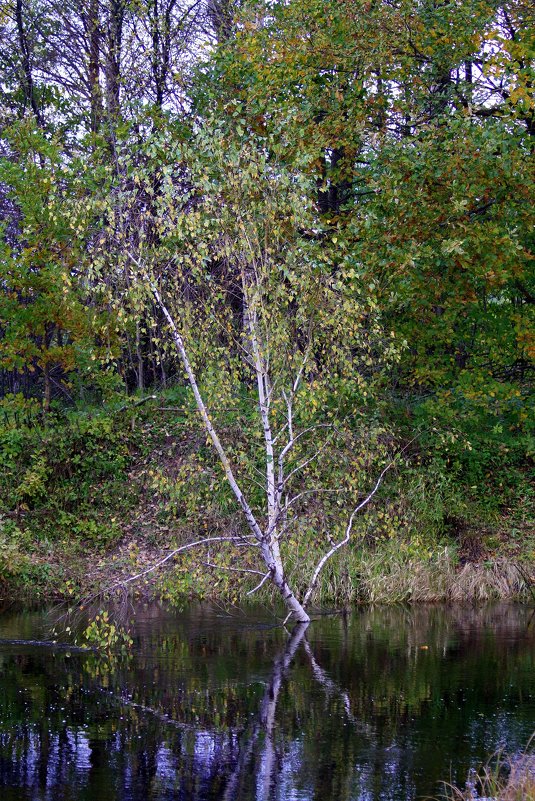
(383, 575)
(504, 779)
(92, 497)
(386, 573)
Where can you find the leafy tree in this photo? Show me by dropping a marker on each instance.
(255, 309)
(416, 121)
(47, 321)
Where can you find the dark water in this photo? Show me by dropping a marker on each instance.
(378, 706)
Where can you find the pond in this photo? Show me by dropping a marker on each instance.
(378, 705)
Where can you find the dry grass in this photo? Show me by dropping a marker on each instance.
(391, 575)
(389, 578)
(505, 780)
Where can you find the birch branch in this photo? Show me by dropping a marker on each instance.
(167, 558)
(287, 448)
(345, 539)
(260, 584)
(234, 569)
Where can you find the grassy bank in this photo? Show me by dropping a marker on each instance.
(92, 495)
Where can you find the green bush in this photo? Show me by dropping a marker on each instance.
(64, 476)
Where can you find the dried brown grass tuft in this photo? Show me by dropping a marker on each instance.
(499, 579)
(390, 578)
(505, 780)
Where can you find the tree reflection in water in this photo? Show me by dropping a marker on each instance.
(380, 705)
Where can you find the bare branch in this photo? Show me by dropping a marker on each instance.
(345, 539)
(260, 584)
(317, 491)
(234, 569)
(287, 448)
(303, 464)
(286, 619)
(171, 555)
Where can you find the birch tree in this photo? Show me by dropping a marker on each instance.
(251, 305)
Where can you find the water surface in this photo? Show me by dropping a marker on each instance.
(380, 705)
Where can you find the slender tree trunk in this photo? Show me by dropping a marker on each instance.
(139, 357)
(47, 392)
(158, 67)
(113, 60)
(94, 34)
(268, 546)
(47, 389)
(220, 13)
(27, 76)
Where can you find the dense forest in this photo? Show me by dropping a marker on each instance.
(267, 285)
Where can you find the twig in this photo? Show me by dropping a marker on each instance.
(234, 569)
(260, 584)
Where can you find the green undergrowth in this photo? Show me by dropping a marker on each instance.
(91, 495)
(386, 573)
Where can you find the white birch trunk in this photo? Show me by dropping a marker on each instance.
(269, 546)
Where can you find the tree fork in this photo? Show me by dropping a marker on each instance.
(297, 610)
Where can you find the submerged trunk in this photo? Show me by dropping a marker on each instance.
(293, 604)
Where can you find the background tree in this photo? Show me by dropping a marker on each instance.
(48, 323)
(388, 148)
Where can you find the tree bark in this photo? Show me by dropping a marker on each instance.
(95, 91)
(113, 59)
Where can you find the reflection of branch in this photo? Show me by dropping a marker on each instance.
(332, 688)
(266, 720)
(323, 678)
(127, 701)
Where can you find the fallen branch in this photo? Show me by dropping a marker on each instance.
(139, 402)
(206, 540)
